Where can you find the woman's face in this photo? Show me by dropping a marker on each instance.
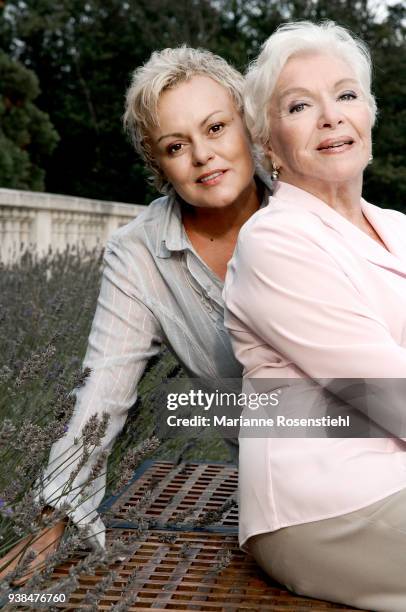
(320, 123)
(201, 144)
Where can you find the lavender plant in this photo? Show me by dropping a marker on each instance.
(46, 308)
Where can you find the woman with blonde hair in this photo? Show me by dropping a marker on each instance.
(163, 272)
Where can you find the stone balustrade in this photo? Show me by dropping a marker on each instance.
(44, 220)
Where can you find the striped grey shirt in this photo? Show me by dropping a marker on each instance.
(155, 289)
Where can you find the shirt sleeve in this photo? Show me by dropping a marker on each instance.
(286, 289)
(124, 336)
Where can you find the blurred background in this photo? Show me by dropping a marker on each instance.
(65, 66)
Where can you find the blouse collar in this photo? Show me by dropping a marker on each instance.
(384, 222)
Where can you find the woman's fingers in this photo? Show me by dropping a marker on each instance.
(43, 544)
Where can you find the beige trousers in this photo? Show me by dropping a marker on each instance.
(358, 559)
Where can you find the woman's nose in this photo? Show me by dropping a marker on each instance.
(201, 153)
(330, 115)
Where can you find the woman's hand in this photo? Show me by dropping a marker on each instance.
(43, 544)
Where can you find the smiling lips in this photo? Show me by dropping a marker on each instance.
(211, 178)
(336, 145)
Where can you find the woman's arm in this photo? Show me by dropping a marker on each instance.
(123, 337)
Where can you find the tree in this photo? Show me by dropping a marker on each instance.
(27, 136)
(386, 179)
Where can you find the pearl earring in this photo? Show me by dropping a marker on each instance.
(275, 172)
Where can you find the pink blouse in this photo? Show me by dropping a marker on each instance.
(310, 295)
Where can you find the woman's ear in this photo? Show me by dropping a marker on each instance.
(267, 149)
(270, 154)
(273, 160)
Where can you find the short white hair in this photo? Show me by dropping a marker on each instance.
(292, 39)
(165, 70)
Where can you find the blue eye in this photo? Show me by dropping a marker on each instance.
(297, 108)
(348, 95)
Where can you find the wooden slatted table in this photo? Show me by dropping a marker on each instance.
(181, 566)
(182, 575)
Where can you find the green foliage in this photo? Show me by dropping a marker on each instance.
(26, 133)
(386, 180)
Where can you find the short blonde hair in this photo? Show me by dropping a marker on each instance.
(292, 39)
(164, 70)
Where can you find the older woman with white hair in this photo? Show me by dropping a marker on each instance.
(316, 293)
(163, 273)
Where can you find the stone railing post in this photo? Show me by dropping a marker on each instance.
(41, 231)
